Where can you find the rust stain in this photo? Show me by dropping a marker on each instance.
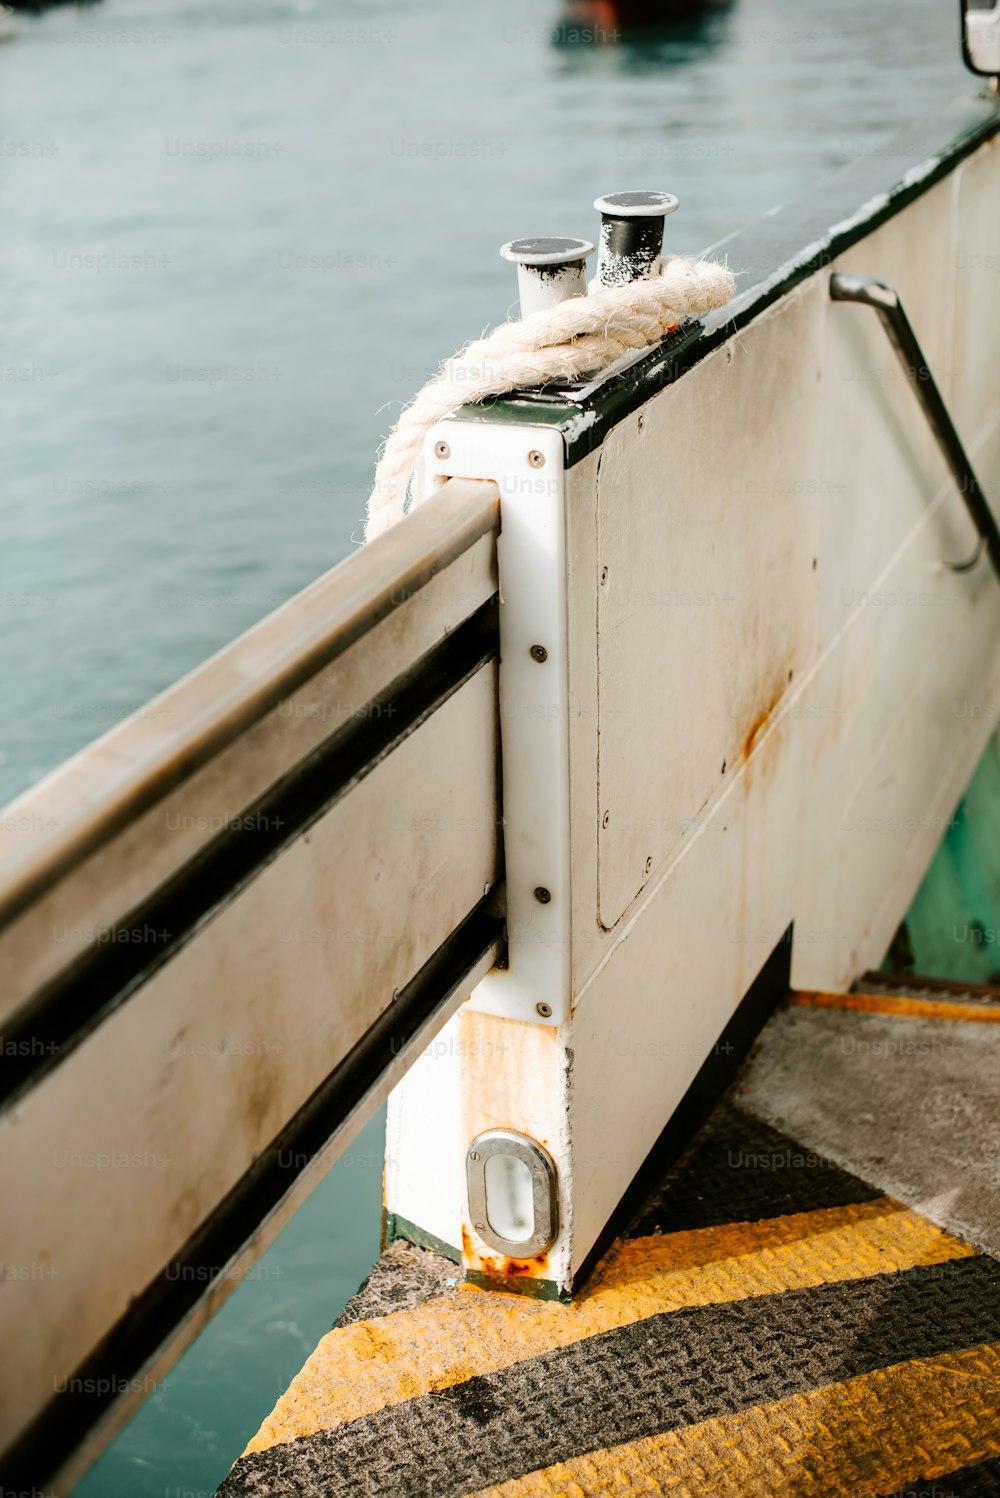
(759, 725)
(498, 1267)
(866, 1003)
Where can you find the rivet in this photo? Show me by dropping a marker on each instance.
(539, 653)
(606, 819)
(542, 895)
(536, 459)
(545, 1010)
(442, 450)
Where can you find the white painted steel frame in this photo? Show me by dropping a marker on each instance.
(839, 778)
(527, 465)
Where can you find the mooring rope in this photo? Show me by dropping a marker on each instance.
(575, 338)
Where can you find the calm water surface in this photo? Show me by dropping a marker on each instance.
(235, 237)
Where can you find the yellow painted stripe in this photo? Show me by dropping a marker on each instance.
(885, 1003)
(369, 1365)
(875, 1434)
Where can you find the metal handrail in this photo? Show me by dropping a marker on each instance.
(420, 711)
(127, 772)
(869, 292)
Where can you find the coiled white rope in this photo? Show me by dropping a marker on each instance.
(575, 338)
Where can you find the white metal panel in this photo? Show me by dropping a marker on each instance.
(974, 327)
(483, 1072)
(519, 1076)
(706, 507)
(837, 803)
(138, 1134)
(533, 706)
(425, 1143)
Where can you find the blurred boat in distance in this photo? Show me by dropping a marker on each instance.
(610, 23)
(36, 7)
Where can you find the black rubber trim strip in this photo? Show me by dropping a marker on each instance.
(162, 1307)
(666, 1372)
(774, 255)
(77, 1000)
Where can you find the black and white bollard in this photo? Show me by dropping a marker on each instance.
(631, 235)
(549, 271)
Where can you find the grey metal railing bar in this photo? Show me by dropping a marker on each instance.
(869, 292)
(248, 679)
(163, 1320)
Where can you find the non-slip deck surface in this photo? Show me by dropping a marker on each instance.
(769, 1324)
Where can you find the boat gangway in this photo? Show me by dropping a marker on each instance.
(527, 816)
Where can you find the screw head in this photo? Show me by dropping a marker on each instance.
(480, 1227)
(649, 865)
(473, 1154)
(606, 819)
(542, 895)
(536, 459)
(539, 653)
(545, 1010)
(442, 450)
(604, 575)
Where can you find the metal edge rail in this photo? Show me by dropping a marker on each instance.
(114, 781)
(46, 1031)
(868, 292)
(127, 774)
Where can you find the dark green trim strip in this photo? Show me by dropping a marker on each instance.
(529, 1288)
(772, 256)
(394, 1227)
(665, 1373)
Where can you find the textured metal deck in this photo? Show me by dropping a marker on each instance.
(770, 1323)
